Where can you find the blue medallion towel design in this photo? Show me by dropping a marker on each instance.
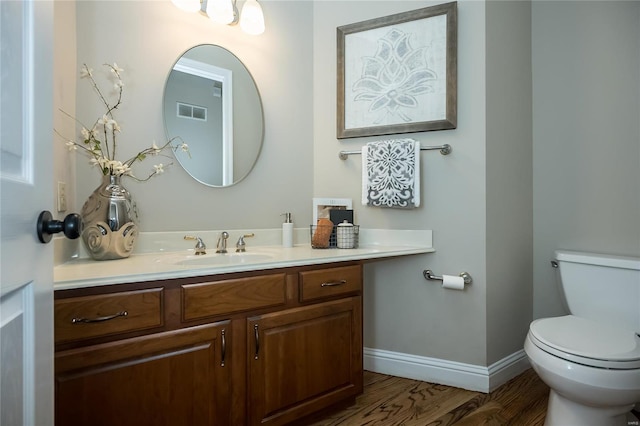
(391, 174)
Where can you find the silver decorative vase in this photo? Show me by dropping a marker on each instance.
(110, 221)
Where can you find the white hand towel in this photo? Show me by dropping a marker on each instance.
(391, 174)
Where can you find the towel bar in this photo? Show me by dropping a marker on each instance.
(444, 150)
(428, 274)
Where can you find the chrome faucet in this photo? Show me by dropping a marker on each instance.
(241, 245)
(200, 248)
(221, 246)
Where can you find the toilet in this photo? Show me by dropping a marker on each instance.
(590, 359)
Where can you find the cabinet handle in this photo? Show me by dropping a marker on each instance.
(257, 338)
(99, 319)
(224, 348)
(333, 283)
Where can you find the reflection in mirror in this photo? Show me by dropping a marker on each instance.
(213, 104)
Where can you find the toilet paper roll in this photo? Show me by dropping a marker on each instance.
(453, 282)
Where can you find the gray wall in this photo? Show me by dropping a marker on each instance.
(280, 62)
(403, 312)
(586, 115)
(65, 72)
(482, 202)
(478, 201)
(509, 177)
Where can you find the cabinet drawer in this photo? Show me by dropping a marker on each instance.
(330, 282)
(100, 315)
(230, 296)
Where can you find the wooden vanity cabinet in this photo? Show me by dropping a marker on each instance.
(307, 358)
(171, 378)
(267, 347)
(303, 360)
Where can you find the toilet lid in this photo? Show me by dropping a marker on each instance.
(587, 342)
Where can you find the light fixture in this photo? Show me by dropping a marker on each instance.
(222, 11)
(225, 12)
(252, 19)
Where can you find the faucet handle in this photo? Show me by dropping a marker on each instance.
(241, 245)
(200, 248)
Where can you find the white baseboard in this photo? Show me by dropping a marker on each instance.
(450, 373)
(507, 368)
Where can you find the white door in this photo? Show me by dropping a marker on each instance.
(26, 266)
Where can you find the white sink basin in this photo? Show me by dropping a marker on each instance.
(221, 259)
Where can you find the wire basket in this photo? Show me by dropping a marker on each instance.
(326, 236)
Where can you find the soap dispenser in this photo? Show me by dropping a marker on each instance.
(287, 231)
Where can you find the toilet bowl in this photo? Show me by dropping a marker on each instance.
(590, 359)
(596, 383)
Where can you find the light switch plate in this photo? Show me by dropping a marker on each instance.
(62, 197)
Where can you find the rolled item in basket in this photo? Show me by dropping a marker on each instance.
(321, 237)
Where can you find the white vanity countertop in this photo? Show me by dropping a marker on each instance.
(157, 265)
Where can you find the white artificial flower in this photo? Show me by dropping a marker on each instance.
(99, 162)
(118, 168)
(94, 148)
(116, 69)
(109, 123)
(86, 72)
(155, 148)
(89, 134)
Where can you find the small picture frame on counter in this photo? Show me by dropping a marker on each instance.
(322, 207)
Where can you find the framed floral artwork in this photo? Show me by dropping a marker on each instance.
(398, 74)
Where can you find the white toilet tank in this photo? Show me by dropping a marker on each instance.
(601, 287)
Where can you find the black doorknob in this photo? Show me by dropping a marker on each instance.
(71, 226)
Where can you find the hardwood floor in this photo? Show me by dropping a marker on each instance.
(389, 400)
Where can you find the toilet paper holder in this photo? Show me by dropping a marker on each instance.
(428, 274)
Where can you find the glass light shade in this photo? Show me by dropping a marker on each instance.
(220, 11)
(187, 5)
(251, 18)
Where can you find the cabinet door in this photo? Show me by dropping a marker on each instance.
(303, 360)
(174, 378)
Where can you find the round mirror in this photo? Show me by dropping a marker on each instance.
(212, 103)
